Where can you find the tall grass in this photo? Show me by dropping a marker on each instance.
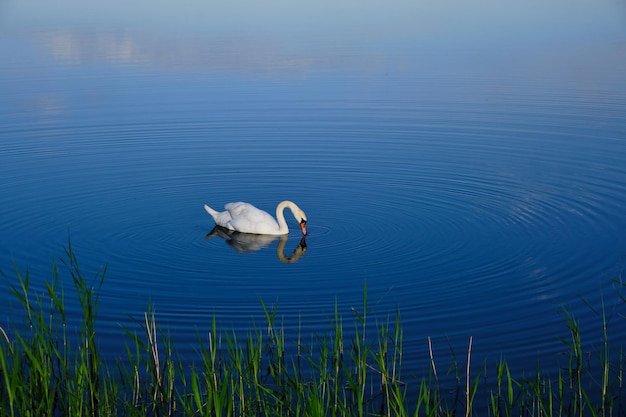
(50, 367)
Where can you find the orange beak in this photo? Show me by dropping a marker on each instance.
(303, 227)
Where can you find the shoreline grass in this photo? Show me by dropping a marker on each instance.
(50, 368)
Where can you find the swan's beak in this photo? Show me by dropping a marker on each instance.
(303, 227)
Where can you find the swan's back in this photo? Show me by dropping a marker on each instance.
(246, 217)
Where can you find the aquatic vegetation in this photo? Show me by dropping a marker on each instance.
(46, 369)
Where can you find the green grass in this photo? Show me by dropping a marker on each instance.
(49, 367)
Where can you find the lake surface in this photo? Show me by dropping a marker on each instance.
(466, 164)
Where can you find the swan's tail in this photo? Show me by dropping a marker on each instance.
(209, 210)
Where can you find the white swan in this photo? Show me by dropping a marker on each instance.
(245, 218)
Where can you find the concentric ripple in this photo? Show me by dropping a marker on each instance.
(469, 215)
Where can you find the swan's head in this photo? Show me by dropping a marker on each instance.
(301, 217)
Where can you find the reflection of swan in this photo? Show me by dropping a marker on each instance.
(245, 218)
(246, 242)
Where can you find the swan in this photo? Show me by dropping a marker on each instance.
(245, 218)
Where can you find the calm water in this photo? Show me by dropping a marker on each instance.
(470, 171)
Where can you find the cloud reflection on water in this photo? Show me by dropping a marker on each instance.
(192, 53)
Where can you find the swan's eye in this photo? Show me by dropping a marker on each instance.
(302, 221)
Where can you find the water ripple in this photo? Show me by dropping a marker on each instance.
(469, 217)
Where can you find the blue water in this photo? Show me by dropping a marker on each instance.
(468, 170)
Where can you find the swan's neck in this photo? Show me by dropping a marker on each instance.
(280, 215)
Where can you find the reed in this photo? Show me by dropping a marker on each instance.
(50, 366)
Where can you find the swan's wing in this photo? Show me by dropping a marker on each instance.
(240, 209)
(248, 219)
